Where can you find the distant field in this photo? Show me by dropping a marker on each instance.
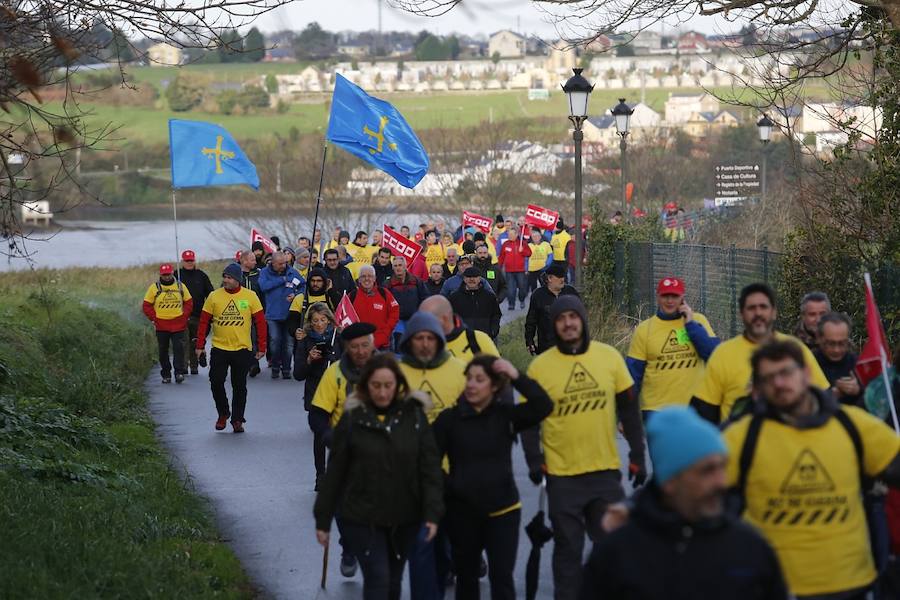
(448, 109)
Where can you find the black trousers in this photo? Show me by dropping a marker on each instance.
(576, 506)
(534, 280)
(470, 534)
(190, 355)
(381, 552)
(238, 361)
(176, 339)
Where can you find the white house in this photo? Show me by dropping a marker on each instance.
(164, 55)
(680, 107)
(507, 44)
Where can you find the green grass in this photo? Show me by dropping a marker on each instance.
(90, 506)
(216, 72)
(511, 344)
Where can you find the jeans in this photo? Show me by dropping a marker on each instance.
(470, 534)
(238, 361)
(381, 552)
(576, 506)
(281, 346)
(429, 564)
(516, 281)
(176, 338)
(190, 355)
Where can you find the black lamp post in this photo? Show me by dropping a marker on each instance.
(765, 126)
(578, 90)
(622, 113)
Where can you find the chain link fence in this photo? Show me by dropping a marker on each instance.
(713, 278)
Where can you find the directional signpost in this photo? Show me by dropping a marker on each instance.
(736, 183)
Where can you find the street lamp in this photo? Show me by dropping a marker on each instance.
(622, 113)
(765, 126)
(578, 90)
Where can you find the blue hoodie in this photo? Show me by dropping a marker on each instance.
(276, 287)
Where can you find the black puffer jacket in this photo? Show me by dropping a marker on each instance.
(658, 555)
(537, 321)
(382, 473)
(478, 309)
(199, 285)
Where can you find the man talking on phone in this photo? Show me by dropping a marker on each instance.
(669, 350)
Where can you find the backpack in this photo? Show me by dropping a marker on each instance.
(159, 290)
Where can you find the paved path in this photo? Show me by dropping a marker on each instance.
(260, 484)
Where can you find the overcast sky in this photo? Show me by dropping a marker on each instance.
(485, 16)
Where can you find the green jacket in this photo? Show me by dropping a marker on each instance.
(382, 473)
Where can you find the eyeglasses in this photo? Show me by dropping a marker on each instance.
(782, 373)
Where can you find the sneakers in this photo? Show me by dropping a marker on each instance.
(166, 379)
(254, 370)
(179, 378)
(194, 371)
(522, 305)
(348, 565)
(274, 373)
(220, 423)
(237, 426)
(201, 360)
(286, 375)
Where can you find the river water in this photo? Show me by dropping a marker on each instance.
(128, 243)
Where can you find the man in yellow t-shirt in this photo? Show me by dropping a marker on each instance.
(230, 311)
(361, 253)
(559, 241)
(168, 304)
(725, 390)
(541, 256)
(668, 351)
(591, 391)
(798, 461)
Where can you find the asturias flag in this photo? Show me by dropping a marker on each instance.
(376, 132)
(204, 155)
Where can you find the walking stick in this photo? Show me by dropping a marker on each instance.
(325, 564)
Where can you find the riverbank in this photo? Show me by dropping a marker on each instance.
(91, 504)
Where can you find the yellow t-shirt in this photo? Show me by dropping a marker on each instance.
(539, 254)
(579, 436)
(168, 304)
(434, 255)
(558, 242)
(362, 255)
(456, 247)
(460, 346)
(674, 368)
(444, 384)
(803, 495)
(332, 393)
(728, 375)
(232, 317)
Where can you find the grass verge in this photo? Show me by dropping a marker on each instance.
(511, 344)
(90, 505)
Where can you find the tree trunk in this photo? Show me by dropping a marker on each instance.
(892, 9)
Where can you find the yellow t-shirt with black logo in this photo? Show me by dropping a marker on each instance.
(332, 393)
(434, 255)
(803, 495)
(167, 300)
(362, 255)
(728, 375)
(459, 347)
(232, 317)
(558, 242)
(444, 384)
(674, 368)
(539, 254)
(579, 436)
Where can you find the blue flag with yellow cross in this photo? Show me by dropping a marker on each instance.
(376, 132)
(204, 155)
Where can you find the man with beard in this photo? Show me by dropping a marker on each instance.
(319, 287)
(341, 278)
(678, 529)
(250, 280)
(490, 271)
(168, 304)
(198, 283)
(726, 387)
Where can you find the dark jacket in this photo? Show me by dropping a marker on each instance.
(312, 373)
(479, 448)
(382, 473)
(433, 288)
(494, 274)
(832, 370)
(538, 318)
(251, 282)
(408, 293)
(478, 308)
(198, 284)
(658, 555)
(383, 273)
(341, 280)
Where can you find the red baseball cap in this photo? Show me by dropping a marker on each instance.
(670, 206)
(670, 285)
(188, 255)
(166, 269)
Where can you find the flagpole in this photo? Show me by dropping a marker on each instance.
(312, 238)
(177, 252)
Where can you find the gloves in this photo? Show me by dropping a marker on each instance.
(637, 475)
(536, 474)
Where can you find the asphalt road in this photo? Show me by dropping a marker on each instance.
(260, 485)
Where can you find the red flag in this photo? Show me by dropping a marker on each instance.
(540, 217)
(471, 219)
(268, 244)
(874, 355)
(345, 314)
(399, 245)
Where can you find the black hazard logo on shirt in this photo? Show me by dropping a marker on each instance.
(676, 342)
(807, 476)
(169, 300)
(231, 316)
(437, 402)
(580, 380)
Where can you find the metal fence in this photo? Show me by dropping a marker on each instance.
(713, 278)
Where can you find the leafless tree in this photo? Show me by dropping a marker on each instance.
(42, 42)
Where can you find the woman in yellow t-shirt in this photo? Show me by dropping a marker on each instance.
(447, 243)
(541, 252)
(434, 252)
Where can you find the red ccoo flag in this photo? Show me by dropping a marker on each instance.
(269, 245)
(874, 356)
(345, 314)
